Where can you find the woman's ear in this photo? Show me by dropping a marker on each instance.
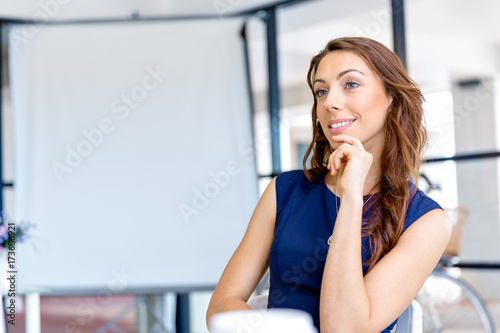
(389, 99)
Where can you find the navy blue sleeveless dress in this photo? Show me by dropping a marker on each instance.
(305, 218)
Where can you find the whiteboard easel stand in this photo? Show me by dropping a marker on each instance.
(33, 323)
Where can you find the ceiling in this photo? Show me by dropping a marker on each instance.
(446, 39)
(78, 9)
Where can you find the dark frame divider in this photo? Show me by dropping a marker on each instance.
(463, 157)
(2, 185)
(249, 85)
(274, 92)
(3, 312)
(398, 29)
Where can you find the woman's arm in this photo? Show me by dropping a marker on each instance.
(349, 301)
(250, 260)
(353, 303)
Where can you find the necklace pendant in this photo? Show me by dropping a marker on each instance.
(329, 241)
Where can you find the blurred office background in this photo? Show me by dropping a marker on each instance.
(212, 107)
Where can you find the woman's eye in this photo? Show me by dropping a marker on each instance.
(351, 84)
(320, 93)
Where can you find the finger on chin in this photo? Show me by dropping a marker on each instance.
(353, 141)
(342, 137)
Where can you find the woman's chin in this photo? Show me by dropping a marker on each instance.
(334, 144)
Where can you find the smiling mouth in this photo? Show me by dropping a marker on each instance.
(340, 124)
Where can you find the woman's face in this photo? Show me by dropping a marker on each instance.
(351, 100)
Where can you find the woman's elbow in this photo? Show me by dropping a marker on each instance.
(224, 304)
(208, 315)
(212, 310)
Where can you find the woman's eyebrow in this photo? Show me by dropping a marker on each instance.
(319, 80)
(347, 71)
(341, 74)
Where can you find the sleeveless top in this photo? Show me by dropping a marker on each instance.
(305, 218)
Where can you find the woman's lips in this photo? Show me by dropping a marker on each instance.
(340, 125)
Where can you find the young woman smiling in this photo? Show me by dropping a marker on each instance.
(350, 239)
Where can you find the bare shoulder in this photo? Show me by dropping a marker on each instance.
(265, 211)
(433, 229)
(261, 226)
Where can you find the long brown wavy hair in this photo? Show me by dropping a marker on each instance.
(405, 140)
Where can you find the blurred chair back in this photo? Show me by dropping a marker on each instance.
(411, 321)
(258, 302)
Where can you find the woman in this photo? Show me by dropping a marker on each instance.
(350, 240)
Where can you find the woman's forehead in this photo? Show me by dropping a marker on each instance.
(336, 62)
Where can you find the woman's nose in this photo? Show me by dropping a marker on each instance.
(334, 101)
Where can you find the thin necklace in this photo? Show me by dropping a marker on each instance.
(329, 241)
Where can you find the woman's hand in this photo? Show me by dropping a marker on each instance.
(350, 163)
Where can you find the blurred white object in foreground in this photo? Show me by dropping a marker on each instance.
(268, 321)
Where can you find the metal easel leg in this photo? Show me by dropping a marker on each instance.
(156, 313)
